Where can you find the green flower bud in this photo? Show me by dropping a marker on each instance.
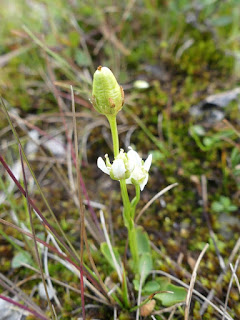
(108, 96)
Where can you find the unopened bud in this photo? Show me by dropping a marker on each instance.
(108, 96)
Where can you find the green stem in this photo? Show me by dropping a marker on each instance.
(133, 246)
(113, 125)
(128, 220)
(126, 203)
(125, 290)
(142, 304)
(135, 201)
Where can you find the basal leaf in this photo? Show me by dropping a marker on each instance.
(107, 254)
(169, 299)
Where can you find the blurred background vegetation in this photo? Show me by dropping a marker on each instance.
(187, 53)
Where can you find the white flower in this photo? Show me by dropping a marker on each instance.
(102, 166)
(128, 166)
(117, 170)
(138, 168)
(133, 159)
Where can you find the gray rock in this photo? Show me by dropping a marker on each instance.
(212, 109)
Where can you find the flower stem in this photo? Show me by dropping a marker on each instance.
(113, 126)
(135, 201)
(128, 208)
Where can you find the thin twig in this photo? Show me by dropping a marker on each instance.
(192, 282)
(159, 194)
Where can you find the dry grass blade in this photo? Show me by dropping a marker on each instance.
(232, 127)
(33, 233)
(172, 313)
(109, 34)
(93, 221)
(168, 309)
(19, 305)
(235, 277)
(192, 282)
(67, 286)
(206, 216)
(220, 278)
(83, 236)
(38, 212)
(5, 58)
(81, 206)
(230, 287)
(95, 285)
(140, 292)
(117, 267)
(159, 194)
(67, 246)
(47, 277)
(12, 287)
(206, 300)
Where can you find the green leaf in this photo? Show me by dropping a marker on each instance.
(106, 252)
(217, 206)
(151, 287)
(20, 258)
(208, 142)
(157, 155)
(222, 21)
(136, 284)
(225, 201)
(145, 265)
(169, 299)
(232, 208)
(81, 58)
(142, 241)
(199, 130)
(74, 39)
(235, 157)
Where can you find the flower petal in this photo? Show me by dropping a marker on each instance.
(133, 159)
(118, 169)
(102, 166)
(138, 174)
(148, 162)
(129, 180)
(142, 185)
